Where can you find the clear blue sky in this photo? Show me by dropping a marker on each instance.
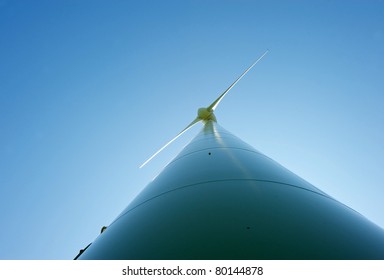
(90, 89)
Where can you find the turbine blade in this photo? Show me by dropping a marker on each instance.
(217, 101)
(177, 136)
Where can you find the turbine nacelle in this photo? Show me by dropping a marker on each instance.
(206, 114)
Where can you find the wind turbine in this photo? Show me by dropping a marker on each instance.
(220, 198)
(206, 114)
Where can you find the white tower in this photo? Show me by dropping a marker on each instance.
(222, 199)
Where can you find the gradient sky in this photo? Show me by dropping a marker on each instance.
(90, 89)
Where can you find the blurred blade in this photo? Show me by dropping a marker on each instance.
(216, 102)
(181, 132)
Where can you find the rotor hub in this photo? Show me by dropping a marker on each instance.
(206, 115)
